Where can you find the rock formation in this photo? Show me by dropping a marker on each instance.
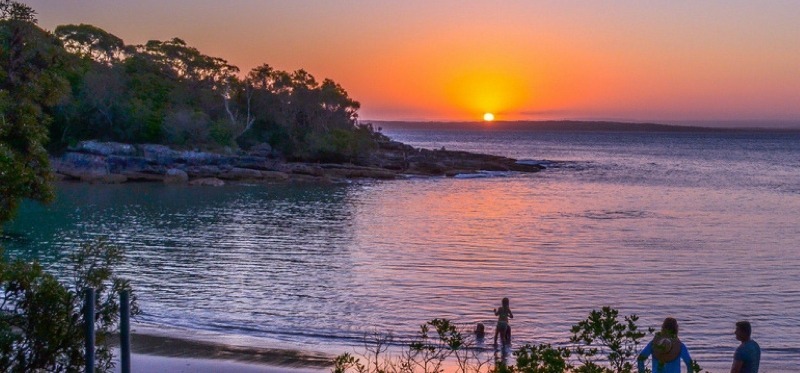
(109, 162)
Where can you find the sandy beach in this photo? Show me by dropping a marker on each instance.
(158, 353)
(168, 353)
(150, 363)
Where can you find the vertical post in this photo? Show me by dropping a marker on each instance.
(88, 320)
(125, 331)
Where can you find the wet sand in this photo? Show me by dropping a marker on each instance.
(154, 353)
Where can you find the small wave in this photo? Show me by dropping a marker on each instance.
(613, 215)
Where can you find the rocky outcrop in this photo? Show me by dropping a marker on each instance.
(240, 174)
(274, 176)
(393, 155)
(106, 148)
(108, 162)
(176, 176)
(207, 181)
(338, 171)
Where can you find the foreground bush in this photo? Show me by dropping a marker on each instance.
(599, 344)
(41, 319)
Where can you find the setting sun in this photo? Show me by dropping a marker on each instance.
(488, 117)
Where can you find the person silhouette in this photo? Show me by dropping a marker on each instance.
(480, 331)
(666, 349)
(748, 354)
(503, 328)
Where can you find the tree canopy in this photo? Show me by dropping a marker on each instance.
(171, 93)
(33, 70)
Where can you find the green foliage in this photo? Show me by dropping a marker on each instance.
(33, 67)
(306, 120)
(221, 133)
(429, 352)
(13, 10)
(91, 42)
(41, 324)
(542, 358)
(339, 145)
(603, 334)
(118, 92)
(142, 94)
(40, 318)
(183, 127)
(346, 362)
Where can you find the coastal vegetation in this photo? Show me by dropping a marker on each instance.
(41, 328)
(168, 92)
(604, 342)
(88, 84)
(41, 323)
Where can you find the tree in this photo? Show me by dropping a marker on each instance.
(188, 64)
(166, 92)
(12, 10)
(92, 42)
(40, 327)
(32, 81)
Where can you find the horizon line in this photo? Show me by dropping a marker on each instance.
(779, 125)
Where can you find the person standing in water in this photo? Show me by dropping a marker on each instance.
(748, 354)
(503, 328)
(667, 350)
(480, 331)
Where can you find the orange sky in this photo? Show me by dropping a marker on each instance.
(454, 60)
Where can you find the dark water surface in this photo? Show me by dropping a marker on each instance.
(702, 227)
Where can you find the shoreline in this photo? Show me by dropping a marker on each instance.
(142, 363)
(192, 351)
(161, 352)
(112, 163)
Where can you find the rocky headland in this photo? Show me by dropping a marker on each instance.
(110, 162)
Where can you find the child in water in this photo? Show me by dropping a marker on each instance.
(503, 328)
(480, 331)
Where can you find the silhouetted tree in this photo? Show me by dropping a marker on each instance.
(92, 42)
(32, 81)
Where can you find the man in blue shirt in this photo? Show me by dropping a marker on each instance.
(667, 350)
(748, 354)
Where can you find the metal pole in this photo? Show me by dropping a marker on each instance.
(88, 319)
(125, 331)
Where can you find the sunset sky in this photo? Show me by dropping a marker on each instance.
(669, 61)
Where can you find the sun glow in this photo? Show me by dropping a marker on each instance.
(486, 90)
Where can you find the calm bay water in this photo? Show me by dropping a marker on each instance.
(702, 227)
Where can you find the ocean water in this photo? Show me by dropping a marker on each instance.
(699, 226)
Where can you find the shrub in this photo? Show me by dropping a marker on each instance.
(542, 358)
(603, 335)
(221, 133)
(41, 322)
(183, 127)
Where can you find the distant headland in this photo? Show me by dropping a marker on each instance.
(587, 126)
